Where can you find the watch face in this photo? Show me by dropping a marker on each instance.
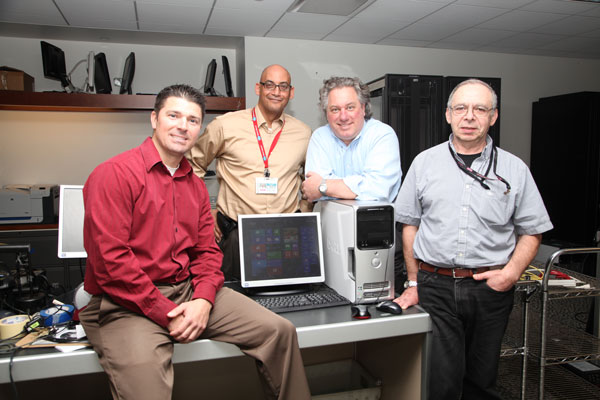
(323, 188)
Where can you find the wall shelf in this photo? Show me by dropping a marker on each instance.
(84, 102)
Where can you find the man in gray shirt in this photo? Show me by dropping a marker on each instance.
(473, 220)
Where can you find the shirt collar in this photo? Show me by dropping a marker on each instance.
(151, 158)
(487, 151)
(260, 120)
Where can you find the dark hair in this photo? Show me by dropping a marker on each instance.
(186, 92)
(335, 82)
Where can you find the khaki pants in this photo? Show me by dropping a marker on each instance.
(136, 353)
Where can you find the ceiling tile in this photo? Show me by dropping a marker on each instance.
(170, 18)
(478, 36)
(559, 6)
(365, 30)
(527, 40)
(178, 3)
(313, 24)
(232, 22)
(404, 42)
(508, 4)
(458, 16)
(570, 26)
(426, 32)
(105, 14)
(407, 10)
(520, 21)
(30, 12)
(255, 5)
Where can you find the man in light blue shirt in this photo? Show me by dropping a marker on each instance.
(354, 156)
(473, 220)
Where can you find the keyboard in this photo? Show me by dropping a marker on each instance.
(320, 298)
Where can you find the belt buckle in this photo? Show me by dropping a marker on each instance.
(454, 274)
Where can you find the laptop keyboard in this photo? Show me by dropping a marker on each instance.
(324, 297)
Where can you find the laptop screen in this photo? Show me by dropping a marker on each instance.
(280, 249)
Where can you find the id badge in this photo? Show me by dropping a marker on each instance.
(266, 185)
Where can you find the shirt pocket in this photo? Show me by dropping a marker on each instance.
(495, 208)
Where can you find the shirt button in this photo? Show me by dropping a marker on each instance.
(460, 254)
(464, 208)
(467, 185)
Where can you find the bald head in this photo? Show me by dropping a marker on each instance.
(275, 69)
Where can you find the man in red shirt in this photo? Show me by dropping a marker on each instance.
(153, 267)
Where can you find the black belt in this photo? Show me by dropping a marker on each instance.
(455, 272)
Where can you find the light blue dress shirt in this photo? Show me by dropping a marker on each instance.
(461, 224)
(369, 165)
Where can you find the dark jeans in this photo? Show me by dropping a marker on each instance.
(469, 320)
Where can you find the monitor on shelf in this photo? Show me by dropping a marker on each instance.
(227, 76)
(53, 61)
(70, 222)
(209, 82)
(128, 72)
(89, 82)
(101, 76)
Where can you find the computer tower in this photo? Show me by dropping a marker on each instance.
(358, 241)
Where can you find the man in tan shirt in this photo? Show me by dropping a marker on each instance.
(260, 154)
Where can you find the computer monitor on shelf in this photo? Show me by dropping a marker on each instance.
(53, 62)
(128, 72)
(70, 222)
(101, 75)
(227, 76)
(209, 82)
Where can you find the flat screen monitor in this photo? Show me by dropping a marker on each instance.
(101, 75)
(227, 76)
(53, 61)
(280, 249)
(128, 72)
(209, 82)
(70, 222)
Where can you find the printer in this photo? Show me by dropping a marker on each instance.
(359, 242)
(22, 204)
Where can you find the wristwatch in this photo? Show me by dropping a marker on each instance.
(323, 187)
(408, 284)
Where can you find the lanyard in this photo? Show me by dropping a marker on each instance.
(261, 147)
(476, 175)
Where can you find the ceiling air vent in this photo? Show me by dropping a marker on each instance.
(329, 7)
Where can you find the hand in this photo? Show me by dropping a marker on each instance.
(188, 320)
(310, 186)
(409, 297)
(218, 233)
(497, 279)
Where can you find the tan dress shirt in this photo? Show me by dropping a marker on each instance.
(231, 139)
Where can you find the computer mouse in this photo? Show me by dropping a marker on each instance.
(389, 306)
(360, 311)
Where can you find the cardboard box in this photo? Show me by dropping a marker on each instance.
(14, 79)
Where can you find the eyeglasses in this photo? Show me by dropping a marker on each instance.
(461, 109)
(270, 85)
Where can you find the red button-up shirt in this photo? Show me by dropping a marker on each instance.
(142, 227)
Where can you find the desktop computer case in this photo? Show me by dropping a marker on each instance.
(361, 273)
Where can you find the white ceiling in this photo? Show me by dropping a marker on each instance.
(564, 28)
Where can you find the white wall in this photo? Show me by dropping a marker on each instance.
(524, 78)
(64, 147)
